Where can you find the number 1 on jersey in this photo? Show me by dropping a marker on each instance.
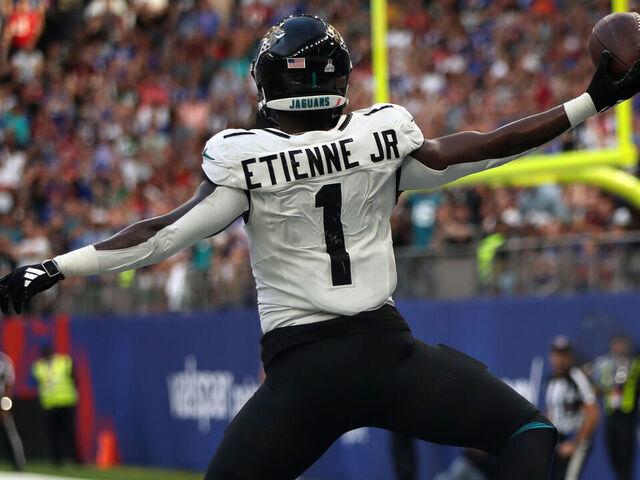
(329, 198)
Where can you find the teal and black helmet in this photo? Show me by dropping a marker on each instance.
(302, 64)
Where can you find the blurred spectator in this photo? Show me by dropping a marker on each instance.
(151, 8)
(617, 376)
(10, 437)
(58, 397)
(454, 221)
(573, 409)
(12, 163)
(540, 200)
(25, 23)
(63, 17)
(105, 106)
(34, 244)
(423, 217)
(486, 254)
(7, 262)
(108, 9)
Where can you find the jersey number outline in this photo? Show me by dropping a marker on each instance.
(329, 198)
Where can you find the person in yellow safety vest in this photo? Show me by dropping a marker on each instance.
(616, 376)
(58, 397)
(486, 253)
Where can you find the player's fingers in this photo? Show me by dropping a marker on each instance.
(26, 303)
(633, 75)
(605, 61)
(631, 79)
(16, 302)
(4, 301)
(17, 298)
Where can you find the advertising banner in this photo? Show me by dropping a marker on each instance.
(168, 385)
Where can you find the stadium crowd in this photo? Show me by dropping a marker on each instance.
(105, 106)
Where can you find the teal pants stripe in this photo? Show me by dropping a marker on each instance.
(530, 426)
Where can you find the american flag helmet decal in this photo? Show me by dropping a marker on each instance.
(296, 63)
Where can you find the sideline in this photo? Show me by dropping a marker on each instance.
(31, 476)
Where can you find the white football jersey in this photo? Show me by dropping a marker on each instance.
(320, 209)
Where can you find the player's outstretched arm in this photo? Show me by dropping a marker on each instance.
(208, 212)
(455, 156)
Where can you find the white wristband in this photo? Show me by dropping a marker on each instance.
(579, 109)
(81, 262)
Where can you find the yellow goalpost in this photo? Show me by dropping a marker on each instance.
(600, 167)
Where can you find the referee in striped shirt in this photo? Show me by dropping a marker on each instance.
(9, 436)
(571, 406)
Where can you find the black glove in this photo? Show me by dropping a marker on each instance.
(19, 286)
(607, 92)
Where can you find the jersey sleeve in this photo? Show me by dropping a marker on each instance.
(209, 216)
(411, 135)
(385, 115)
(585, 389)
(220, 160)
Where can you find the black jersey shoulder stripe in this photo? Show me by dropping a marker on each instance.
(276, 133)
(245, 215)
(398, 191)
(235, 134)
(375, 110)
(345, 122)
(225, 227)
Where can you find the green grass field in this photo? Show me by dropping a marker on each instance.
(90, 472)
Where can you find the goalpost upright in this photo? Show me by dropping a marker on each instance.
(601, 167)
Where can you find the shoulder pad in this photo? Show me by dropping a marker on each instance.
(221, 155)
(387, 110)
(395, 116)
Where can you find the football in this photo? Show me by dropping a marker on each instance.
(620, 34)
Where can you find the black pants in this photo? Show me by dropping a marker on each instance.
(620, 435)
(316, 392)
(10, 442)
(61, 430)
(404, 457)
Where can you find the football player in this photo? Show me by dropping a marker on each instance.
(316, 194)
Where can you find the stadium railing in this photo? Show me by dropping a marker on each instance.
(520, 266)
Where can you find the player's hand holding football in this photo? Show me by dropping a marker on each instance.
(605, 91)
(20, 286)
